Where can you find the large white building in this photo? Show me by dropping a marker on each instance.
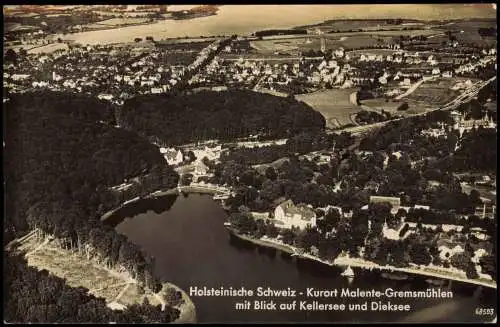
(211, 153)
(287, 214)
(173, 157)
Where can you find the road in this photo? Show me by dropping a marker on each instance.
(412, 88)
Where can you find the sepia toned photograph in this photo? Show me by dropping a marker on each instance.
(319, 163)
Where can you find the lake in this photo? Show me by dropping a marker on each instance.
(185, 234)
(246, 19)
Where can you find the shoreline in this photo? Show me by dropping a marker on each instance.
(172, 191)
(361, 263)
(187, 309)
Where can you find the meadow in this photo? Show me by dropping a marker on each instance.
(334, 104)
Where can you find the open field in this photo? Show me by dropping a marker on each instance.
(377, 52)
(334, 104)
(430, 95)
(118, 289)
(334, 40)
(14, 27)
(312, 42)
(113, 22)
(49, 48)
(76, 270)
(379, 104)
(434, 92)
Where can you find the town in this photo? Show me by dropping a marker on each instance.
(372, 146)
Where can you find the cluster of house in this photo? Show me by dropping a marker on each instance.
(110, 73)
(331, 72)
(400, 57)
(250, 72)
(475, 66)
(176, 157)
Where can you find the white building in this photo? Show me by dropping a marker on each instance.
(200, 169)
(19, 77)
(382, 80)
(211, 153)
(104, 96)
(445, 253)
(447, 74)
(172, 156)
(287, 215)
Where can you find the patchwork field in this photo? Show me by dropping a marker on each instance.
(429, 95)
(335, 105)
(434, 93)
(334, 40)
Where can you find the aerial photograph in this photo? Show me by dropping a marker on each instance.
(322, 163)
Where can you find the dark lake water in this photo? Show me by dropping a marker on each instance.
(186, 236)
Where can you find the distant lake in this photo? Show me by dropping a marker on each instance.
(246, 19)
(186, 236)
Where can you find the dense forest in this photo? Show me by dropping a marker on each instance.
(218, 115)
(61, 160)
(299, 144)
(478, 152)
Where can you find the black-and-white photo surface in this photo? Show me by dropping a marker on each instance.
(319, 163)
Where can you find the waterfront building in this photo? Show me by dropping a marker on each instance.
(287, 214)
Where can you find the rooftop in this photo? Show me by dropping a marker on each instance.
(290, 209)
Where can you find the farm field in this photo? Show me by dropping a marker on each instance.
(334, 104)
(49, 48)
(114, 22)
(11, 27)
(383, 52)
(429, 95)
(312, 42)
(435, 92)
(335, 40)
(379, 104)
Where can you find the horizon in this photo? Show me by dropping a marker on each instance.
(424, 12)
